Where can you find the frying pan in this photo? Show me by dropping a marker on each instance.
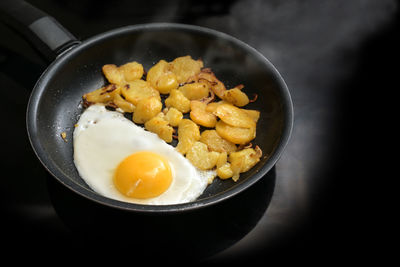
(54, 105)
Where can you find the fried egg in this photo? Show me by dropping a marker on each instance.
(122, 161)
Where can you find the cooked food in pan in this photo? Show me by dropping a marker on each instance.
(160, 137)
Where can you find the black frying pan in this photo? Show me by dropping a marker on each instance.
(54, 105)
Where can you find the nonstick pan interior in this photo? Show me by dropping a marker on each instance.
(55, 104)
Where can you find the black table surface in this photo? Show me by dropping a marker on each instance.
(334, 56)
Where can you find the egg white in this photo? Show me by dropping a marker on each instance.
(103, 138)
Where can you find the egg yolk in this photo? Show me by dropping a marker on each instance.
(143, 175)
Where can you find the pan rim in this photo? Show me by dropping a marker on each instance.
(46, 161)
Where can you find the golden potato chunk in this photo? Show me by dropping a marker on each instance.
(123, 104)
(244, 160)
(177, 100)
(199, 115)
(236, 135)
(159, 126)
(102, 95)
(225, 171)
(185, 67)
(254, 114)
(161, 78)
(113, 74)
(207, 76)
(131, 71)
(236, 97)
(200, 157)
(138, 90)
(146, 109)
(188, 134)
(222, 159)
(212, 107)
(173, 116)
(195, 90)
(121, 75)
(215, 142)
(234, 116)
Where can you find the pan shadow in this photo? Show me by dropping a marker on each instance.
(187, 236)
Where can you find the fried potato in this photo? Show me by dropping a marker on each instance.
(225, 171)
(113, 74)
(138, 90)
(244, 160)
(188, 134)
(222, 159)
(161, 78)
(146, 109)
(199, 115)
(254, 114)
(200, 157)
(159, 126)
(185, 67)
(234, 116)
(173, 116)
(236, 97)
(126, 106)
(191, 88)
(195, 90)
(102, 95)
(216, 143)
(121, 75)
(236, 135)
(131, 71)
(212, 107)
(177, 100)
(207, 76)
(166, 83)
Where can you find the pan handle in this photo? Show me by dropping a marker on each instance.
(40, 29)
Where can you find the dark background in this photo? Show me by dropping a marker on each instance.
(340, 62)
